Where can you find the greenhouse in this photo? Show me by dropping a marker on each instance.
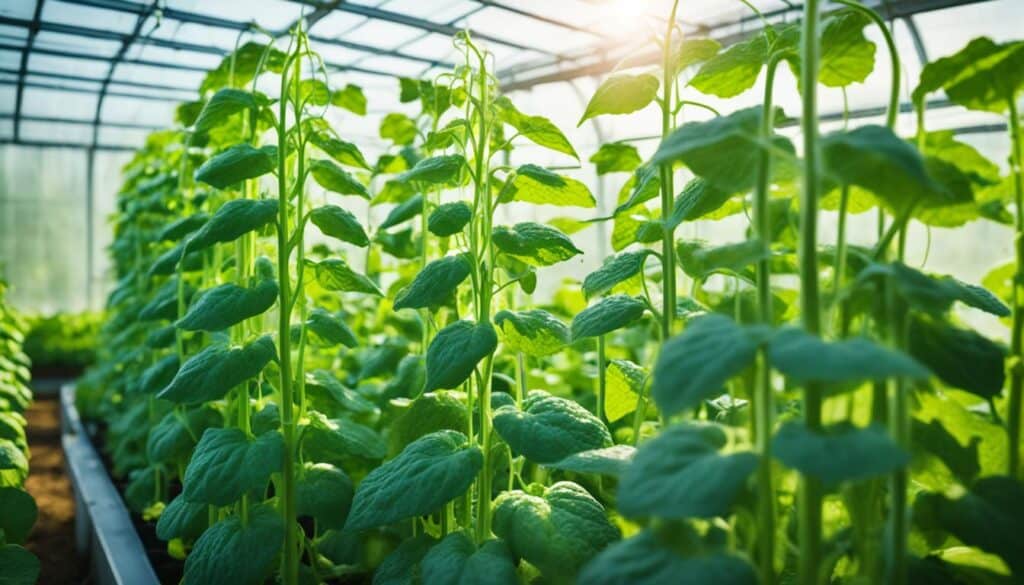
(509, 292)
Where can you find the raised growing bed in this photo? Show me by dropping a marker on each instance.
(103, 525)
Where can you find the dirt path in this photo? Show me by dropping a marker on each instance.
(53, 537)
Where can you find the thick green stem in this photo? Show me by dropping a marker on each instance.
(764, 405)
(601, 378)
(899, 427)
(668, 255)
(810, 491)
(1013, 412)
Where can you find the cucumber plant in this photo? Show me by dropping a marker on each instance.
(768, 410)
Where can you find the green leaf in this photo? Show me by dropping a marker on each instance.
(687, 52)
(330, 328)
(398, 128)
(238, 163)
(455, 351)
(341, 151)
(332, 177)
(335, 274)
(838, 453)
(988, 517)
(239, 68)
(429, 413)
(351, 98)
(334, 441)
(171, 440)
(214, 371)
(610, 461)
(157, 376)
(644, 185)
(934, 295)
(699, 261)
(874, 158)
(556, 529)
(230, 552)
(644, 560)
(961, 358)
(534, 184)
(624, 381)
(449, 218)
(534, 243)
(680, 474)
(695, 365)
(622, 94)
(404, 211)
(17, 515)
(606, 315)
(20, 567)
(232, 220)
(402, 566)
(457, 561)
(226, 464)
(336, 222)
(436, 284)
(182, 519)
(982, 76)
(225, 103)
(537, 129)
(536, 332)
(616, 269)
(847, 56)
(726, 150)
(178, 229)
(430, 472)
(698, 199)
(323, 492)
(164, 303)
(616, 157)
(228, 304)
(445, 169)
(550, 428)
(734, 70)
(803, 357)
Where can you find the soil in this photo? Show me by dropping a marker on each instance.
(53, 537)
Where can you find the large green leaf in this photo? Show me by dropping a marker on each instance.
(681, 474)
(449, 218)
(235, 552)
(605, 461)
(182, 519)
(983, 75)
(988, 516)
(549, 428)
(232, 220)
(838, 453)
(227, 305)
(227, 463)
(329, 387)
(330, 328)
(340, 223)
(534, 184)
(537, 129)
(556, 529)
(607, 315)
(961, 358)
(334, 441)
(238, 163)
(456, 560)
(430, 472)
(17, 514)
(211, 373)
(173, 438)
(225, 103)
(803, 357)
(335, 274)
(645, 560)
(403, 212)
(622, 94)
(616, 269)
(847, 56)
(726, 151)
(534, 243)
(445, 169)
(624, 381)
(351, 98)
(341, 151)
(157, 376)
(535, 332)
(19, 566)
(697, 199)
(699, 260)
(429, 413)
(402, 566)
(695, 365)
(436, 284)
(323, 492)
(934, 295)
(178, 229)
(455, 351)
(332, 177)
(616, 157)
(398, 128)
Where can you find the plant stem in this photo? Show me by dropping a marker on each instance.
(1013, 412)
(763, 400)
(521, 382)
(899, 427)
(810, 489)
(601, 379)
(668, 255)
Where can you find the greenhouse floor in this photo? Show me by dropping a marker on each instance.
(53, 537)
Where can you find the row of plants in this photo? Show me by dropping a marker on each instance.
(62, 342)
(294, 392)
(18, 566)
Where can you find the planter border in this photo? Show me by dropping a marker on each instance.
(103, 526)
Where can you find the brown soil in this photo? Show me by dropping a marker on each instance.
(53, 537)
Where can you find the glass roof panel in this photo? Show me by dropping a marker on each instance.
(58, 104)
(23, 9)
(274, 15)
(382, 34)
(66, 66)
(76, 43)
(87, 16)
